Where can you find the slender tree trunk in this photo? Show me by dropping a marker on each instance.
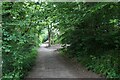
(49, 36)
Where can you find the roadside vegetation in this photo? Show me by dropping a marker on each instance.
(89, 33)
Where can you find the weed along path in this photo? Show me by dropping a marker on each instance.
(50, 64)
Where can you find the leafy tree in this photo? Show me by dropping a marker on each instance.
(92, 31)
(19, 38)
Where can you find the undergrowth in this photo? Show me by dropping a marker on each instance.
(107, 64)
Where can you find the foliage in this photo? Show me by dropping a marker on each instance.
(90, 32)
(93, 32)
(20, 38)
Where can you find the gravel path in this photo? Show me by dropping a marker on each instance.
(50, 64)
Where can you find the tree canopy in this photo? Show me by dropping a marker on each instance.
(92, 31)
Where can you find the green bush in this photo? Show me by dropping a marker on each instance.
(22, 64)
(19, 40)
(93, 35)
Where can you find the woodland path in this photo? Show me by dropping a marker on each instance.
(50, 64)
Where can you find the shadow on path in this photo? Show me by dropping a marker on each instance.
(50, 64)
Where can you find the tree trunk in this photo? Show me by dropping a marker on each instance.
(49, 36)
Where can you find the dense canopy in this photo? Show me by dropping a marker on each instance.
(92, 31)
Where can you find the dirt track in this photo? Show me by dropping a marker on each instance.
(50, 64)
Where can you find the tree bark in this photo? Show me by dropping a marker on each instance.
(49, 36)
